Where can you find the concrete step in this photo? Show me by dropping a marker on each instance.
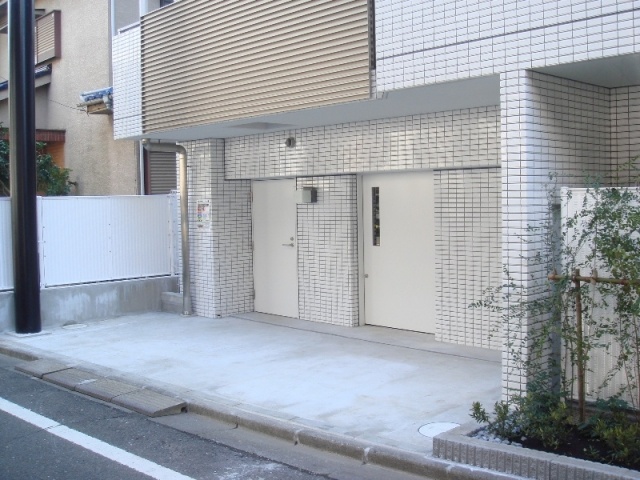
(171, 302)
(150, 403)
(69, 378)
(40, 368)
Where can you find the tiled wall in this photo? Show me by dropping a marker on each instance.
(327, 231)
(127, 84)
(625, 126)
(221, 256)
(549, 125)
(421, 42)
(328, 251)
(544, 125)
(458, 138)
(469, 254)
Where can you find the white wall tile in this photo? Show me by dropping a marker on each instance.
(127, 84)
(441, 40)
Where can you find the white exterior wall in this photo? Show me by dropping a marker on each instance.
(465, 143)
(422, 42)
(625, 132)
(460, 138)
(221, 257)
(468, 254)
(549, 125)
(328, 251)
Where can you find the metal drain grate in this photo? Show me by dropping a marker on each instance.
(74, 326)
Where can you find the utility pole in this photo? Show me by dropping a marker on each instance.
(22, 154)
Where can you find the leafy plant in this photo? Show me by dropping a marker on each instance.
(613, 424)
(542, 415)
(504, 423)
(4, 165)
(51, 178)
(552, 329)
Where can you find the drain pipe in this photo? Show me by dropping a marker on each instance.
(184, 215)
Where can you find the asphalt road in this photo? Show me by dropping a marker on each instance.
(50, 433)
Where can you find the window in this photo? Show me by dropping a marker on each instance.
(47, 41)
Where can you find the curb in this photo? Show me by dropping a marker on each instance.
(298, 434)
(365, 452)
(17, 352)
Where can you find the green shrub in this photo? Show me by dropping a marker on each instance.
(51, 179)
(541, 414)
(617, 427)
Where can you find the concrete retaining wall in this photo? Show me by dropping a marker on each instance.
(82, 303)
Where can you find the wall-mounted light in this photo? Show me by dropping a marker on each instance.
(290, 142)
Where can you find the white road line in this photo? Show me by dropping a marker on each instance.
(93, 444)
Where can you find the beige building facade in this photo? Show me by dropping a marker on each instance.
(80, 62)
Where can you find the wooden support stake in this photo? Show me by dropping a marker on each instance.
(579, 347)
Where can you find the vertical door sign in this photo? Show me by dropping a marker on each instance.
(375, 209)
(203, 214)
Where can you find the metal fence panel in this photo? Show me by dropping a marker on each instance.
(76, 241)
(140, 236)
(6, 257)
(92, 239)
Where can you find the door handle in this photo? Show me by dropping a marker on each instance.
(288, 245)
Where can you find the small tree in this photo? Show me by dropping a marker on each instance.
(51, 179)
(590, 307)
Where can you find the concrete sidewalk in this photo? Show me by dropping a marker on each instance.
(369, 384)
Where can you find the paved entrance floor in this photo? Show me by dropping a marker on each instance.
(372, 383)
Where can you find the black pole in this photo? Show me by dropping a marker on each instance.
(22, 141)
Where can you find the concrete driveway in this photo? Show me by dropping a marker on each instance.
(372, 383)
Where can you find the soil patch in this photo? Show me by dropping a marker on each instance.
(579, 444)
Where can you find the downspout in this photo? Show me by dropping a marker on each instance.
(143, 9)
(184, 215)
(141, 169)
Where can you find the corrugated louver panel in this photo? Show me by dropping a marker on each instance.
(205, 61)
(162, 172)
(48, 37)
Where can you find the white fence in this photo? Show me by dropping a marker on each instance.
(94, 239)
(601, 360)
(6, 260)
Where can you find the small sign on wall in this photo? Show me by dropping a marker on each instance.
(203, 214)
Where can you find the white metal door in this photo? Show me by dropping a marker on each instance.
(275, 249)
(399, 250)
